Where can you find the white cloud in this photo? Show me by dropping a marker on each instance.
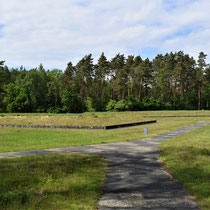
(56, 32)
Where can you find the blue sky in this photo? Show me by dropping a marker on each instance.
(55, 32)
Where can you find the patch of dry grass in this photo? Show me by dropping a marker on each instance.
(91, 119)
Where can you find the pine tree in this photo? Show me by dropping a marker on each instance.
(201, 64)
(101, 74)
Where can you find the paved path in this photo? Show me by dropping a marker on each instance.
(135, 178)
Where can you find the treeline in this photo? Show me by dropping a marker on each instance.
(171, 81)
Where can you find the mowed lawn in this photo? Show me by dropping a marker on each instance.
(51, 182)
(187, 158)
(75, 181)
(16, 139)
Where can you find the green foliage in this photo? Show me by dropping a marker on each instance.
(150, 103)
(167, 106)
(4, 80)
(72, 102)
(54, 89)
(89, 105)
(133, 104)
(171, 81)
(36, 87)
(111, 105)
(1, 63)
(100, 91)
(120, 106)
(54, 110)
(16, 99)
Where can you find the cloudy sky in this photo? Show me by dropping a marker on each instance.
(54, 32)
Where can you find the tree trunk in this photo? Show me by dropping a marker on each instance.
(140, 89)
(199, 97)
(123, 92)
(169, 91)
(128, 91)
(81, 93)
(131, 88)
(181, 90)
(175, 96)
(102, 89)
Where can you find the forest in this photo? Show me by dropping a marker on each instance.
(174, 81)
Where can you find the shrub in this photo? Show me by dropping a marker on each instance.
(120, 106)
(133, 104)
(89, 105)
(111, 105)
(54, 110)
(150, 103)
(167, 106)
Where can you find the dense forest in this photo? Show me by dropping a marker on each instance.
(174, 81)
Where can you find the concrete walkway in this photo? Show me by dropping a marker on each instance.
(135, 178)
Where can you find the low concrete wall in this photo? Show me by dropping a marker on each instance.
(129, 124)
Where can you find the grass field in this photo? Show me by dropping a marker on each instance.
(51, 182)
(187, 158)
(16, 139)
(88, 118)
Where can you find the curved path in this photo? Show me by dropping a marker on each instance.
(135, 178)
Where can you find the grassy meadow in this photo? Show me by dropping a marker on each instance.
(51, 182)
(187, 158)
(89, 118)
(85, 119)
(16, 139)
(74, 181)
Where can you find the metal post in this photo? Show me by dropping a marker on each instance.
(145, 131)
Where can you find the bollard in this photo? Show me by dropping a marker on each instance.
(145, 131)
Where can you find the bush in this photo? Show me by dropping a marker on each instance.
(150, 103)
(89, 105)
(133, 104)
(167, 106)
(54, 110)
(120, 106)
(111, 105)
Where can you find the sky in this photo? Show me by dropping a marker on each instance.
(55, 32)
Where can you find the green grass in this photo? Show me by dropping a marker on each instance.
(88, 118)
(177, 113)
(16, 139)
(187, 158)
(51, 182)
